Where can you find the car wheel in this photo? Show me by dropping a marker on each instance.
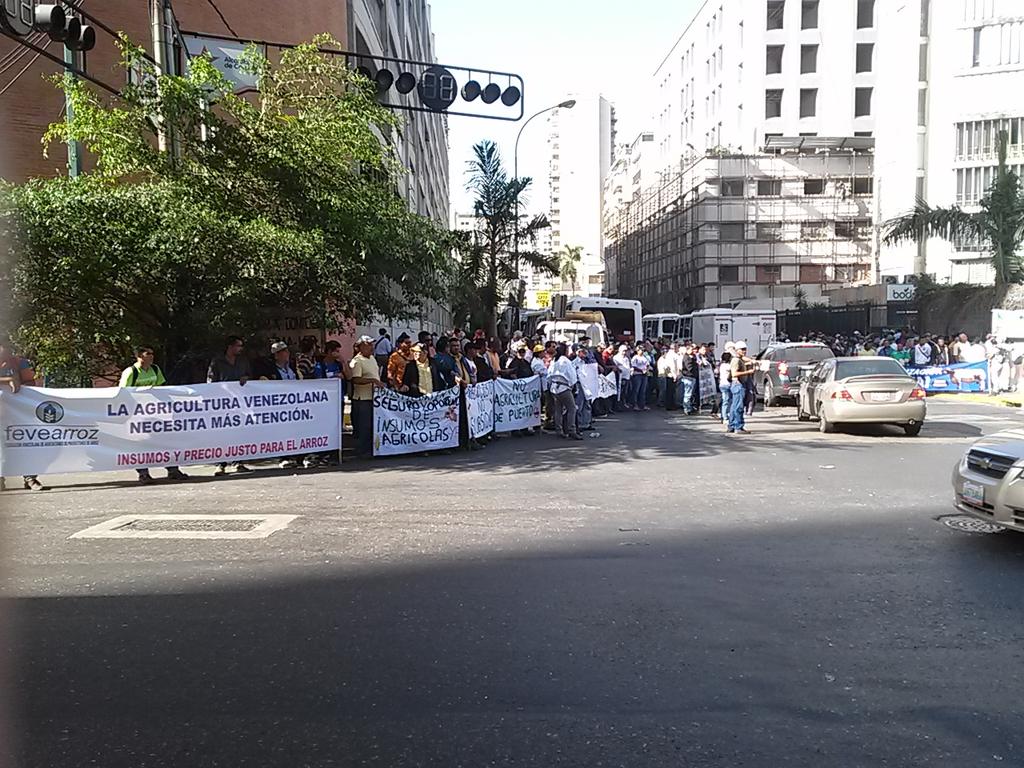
(913, 430)
(800, 413)
(825, 426)
(770, 400)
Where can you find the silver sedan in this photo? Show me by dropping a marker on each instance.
(862, 390)
(988, 481)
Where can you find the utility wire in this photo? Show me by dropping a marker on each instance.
(23, 71)
(225, 21)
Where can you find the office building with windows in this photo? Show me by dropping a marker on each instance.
(580, 149)
(762, 231)
(954, 81)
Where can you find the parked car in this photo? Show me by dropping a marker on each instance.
(986, 480)
(862, 390)
(786, 364)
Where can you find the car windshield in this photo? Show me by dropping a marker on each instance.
(887, 367)
(804, 354)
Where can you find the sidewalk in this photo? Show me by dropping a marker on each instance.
(1009, 399)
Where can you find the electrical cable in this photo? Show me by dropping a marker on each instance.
(225, 21)
(19, 52)
(23, 71)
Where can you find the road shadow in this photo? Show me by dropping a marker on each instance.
(727, 647)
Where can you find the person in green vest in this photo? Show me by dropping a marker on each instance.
(145, 373)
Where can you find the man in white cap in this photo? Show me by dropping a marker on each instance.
(741, 368)
(365, 378)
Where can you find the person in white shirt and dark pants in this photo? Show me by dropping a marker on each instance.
(562, 378)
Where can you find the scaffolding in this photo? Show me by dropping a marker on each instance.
(711, 235)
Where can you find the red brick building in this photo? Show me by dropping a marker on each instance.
(29, 103)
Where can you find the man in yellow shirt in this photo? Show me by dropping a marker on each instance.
(365, 378)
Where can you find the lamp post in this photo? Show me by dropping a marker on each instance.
(567, 104)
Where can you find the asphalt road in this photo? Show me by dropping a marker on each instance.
(664, 594)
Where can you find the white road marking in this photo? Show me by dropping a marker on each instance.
(115, 528)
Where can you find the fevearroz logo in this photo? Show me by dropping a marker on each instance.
(49, 412)
(52, 434)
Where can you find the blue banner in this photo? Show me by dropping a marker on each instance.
(958, 377)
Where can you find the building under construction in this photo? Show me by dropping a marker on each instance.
(762, 231)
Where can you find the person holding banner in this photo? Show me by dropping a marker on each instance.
(421, 374)
(586, 370)
(562, 380)
(365, 377)
(145, 373)
(16, 372)
(231, 366)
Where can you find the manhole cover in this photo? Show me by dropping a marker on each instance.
(969, 524)
(187, 527)
(190, 525)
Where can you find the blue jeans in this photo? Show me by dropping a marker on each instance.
(726, 401)
(584, 413)
(738, 393)
(684, 391)
(625, 392)
(638, 384)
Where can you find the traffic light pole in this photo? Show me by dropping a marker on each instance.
(74, 150)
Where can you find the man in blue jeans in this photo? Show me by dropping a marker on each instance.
(741, 368)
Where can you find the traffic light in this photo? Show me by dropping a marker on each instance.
(55, 22)
(435, 88)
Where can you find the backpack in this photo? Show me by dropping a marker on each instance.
(135, 374)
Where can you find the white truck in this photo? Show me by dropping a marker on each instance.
(573, 327)
(757, 327)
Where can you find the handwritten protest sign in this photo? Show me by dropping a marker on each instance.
(404, 424)
(608, 385)
(516, 404)
(480, 408)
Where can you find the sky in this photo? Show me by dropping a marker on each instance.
(558, 47)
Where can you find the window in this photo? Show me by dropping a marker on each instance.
(864, 134)
(922, 62)
(865, 56)
(862, 102)
(808, 59)
(771, 273)
(851, 274)
(814, 186)
(732, 187)
(728, 274)
(776, 13)
(773, 59)
(976, 54)
(865, 14)
(808, 102)
(815, 230)
(845, 230)
(863, 185)
(773, 103)
(922, 107)
(769, 187)
(733, 232)
(809, 15)
(769, 230)
(812, 273)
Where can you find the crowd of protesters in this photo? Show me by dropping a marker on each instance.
(1005, 360)
(674, 376)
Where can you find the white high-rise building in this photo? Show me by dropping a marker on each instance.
(744, 71)
(580, 146)
(954, 79)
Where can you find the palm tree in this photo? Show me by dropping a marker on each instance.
(568, 266)
(487, 258)
(999, 225)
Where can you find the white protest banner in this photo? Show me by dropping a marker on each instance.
(608, 386)
(480, 408)
(403, 424)
(47, 431)
(516, 404)
(590, 381)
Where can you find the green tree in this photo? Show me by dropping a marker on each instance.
(999, 225)
(568, 267)
(800, 297)
(488, 259)
(285, 198)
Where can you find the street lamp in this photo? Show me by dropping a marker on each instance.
(567, 104)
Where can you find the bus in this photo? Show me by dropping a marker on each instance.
(623, 317)
(664, 326)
